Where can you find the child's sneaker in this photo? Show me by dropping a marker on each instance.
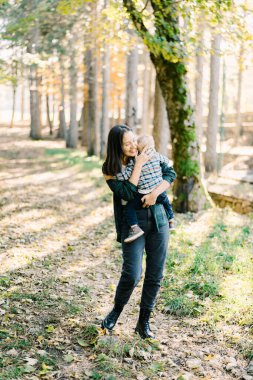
(171, 225)
(134, 233)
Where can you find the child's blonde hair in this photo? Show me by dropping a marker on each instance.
(144, 140)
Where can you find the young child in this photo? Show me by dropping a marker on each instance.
(150, 178)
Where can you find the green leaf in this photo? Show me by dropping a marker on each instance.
(68, 358)
(50, 328)
(82, 343)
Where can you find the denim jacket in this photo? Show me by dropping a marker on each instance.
(126, 190)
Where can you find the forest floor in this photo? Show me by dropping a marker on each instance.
(59, 266)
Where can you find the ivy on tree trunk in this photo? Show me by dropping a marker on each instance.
(167, 54)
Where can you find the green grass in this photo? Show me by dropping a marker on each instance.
(75, 157)
(5, 282)
(211, 279)
(15, 296)
(17, 343)
(12, 372)
(84, 290)
(110, 352)
(90, 165)
(90, 334)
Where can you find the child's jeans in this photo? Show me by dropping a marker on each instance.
(136, 204)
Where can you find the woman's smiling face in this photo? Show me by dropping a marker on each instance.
(129, 144)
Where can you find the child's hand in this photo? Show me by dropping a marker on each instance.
(145, 155)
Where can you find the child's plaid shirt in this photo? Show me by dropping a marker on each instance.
(151, 173)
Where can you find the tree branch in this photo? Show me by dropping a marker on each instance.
(145, 6)
(136, 17)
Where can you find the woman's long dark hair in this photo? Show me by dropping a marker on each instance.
(112, 164)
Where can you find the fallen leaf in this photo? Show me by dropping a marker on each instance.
(12, 352)
(50, 328)
(31, 361)
(82, 343)
(68, 358)
(40, 338)
(209, 357)
(29, 368)
(131, 352)
(42, 352)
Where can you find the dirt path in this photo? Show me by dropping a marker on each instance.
(59, 268)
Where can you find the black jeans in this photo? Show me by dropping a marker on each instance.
(136, 204)
(155, 244)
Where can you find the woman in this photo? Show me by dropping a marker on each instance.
(152, 219)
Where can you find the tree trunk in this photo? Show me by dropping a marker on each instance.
(161, 125)
(199, 84)
(199, 98)
(213, 115)
(104, 125)
(72, 136)
(62, 133)
(22, 85)
(14, 88)
(93, 127)
(238, 127)
(49, 122)
(35, 85)
(84, 121)
(189, 193)
(152, 92)
(35, 131)
(145, 122)
(131, 89)
(85, 108)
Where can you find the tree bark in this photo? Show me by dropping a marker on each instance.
(22, 85)
(189, 194)
(145, 122)
(35, 82)
(131, 89)
(85, 108)
(62, 133)
(49, 122)
(199, 84)
(104, 125)
(238, 127)
(161, 125)
(35, 125)
(93, 126)
(14, 91)
(72, 136)
(213, 115)
(187, 188)
(84, 121)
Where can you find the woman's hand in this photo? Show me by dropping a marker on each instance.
(144, 156)
(140, 160)
(149, 199)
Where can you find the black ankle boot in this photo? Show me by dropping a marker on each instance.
(110, 320)
(142, 327)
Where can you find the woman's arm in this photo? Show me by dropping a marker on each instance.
(169, 176)
(169, 173)
(122, 189)
(150, 199)
(127, 189)
(140, 160)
